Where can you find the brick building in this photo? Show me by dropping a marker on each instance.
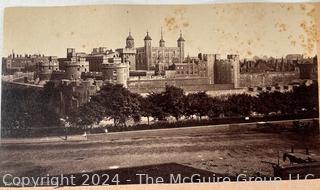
(27, 63)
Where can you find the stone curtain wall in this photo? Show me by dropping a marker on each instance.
(267, 78)
(188, 84)
(201, 83)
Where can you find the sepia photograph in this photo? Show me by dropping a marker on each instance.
(159, 94)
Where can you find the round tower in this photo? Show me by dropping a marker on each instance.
(235, 69)
(116, 72)
(75, 67)
(180, 42)
(148, 51)
(45, 68)
(71, 52)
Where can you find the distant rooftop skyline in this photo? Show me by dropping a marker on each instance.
(245, 29)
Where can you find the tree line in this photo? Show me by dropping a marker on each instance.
(23, 108)
(118, 103)
(26, 108)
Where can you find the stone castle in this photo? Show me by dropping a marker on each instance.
(149, 69)
(142, 63)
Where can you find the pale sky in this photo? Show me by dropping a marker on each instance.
(245, 29)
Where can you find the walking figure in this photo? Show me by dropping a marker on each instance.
(66, 125)
(85, 135)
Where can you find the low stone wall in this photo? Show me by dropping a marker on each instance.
(267, 79)
(21, 85)
(202, 84)
(168, 81)
(188, 84)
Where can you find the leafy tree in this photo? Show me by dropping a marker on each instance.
(217, 108)
(146, 107)
(173, 99)
(119, 103)
(24, 109)
(198, 104)
(156, 107)
(163, 104)
(302, 97)
(137, 109)
(48, 100)
(306, 97)
(112, 101)
(240, 104)
(274, 102)
(89, 113)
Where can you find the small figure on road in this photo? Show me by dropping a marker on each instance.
(66, 125)
(85, 135)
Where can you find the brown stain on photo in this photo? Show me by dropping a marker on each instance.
(293, 42)
(185, 24)
(303, 7)
(312, 13)
(171, 23)
(180, 11)
(177, 20)
(281, 27)
(290, 8)
(236, 37)
(307, 40)
(310, 29)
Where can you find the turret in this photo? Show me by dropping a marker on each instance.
(180, 42)
(147, 39)
(71, 52)
(13, 54)
(161, 42)
(235, 72)
(130, 41)
(147, 46)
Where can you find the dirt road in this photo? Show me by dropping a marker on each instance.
(222, 149)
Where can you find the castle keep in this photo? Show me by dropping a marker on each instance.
(151, 57)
